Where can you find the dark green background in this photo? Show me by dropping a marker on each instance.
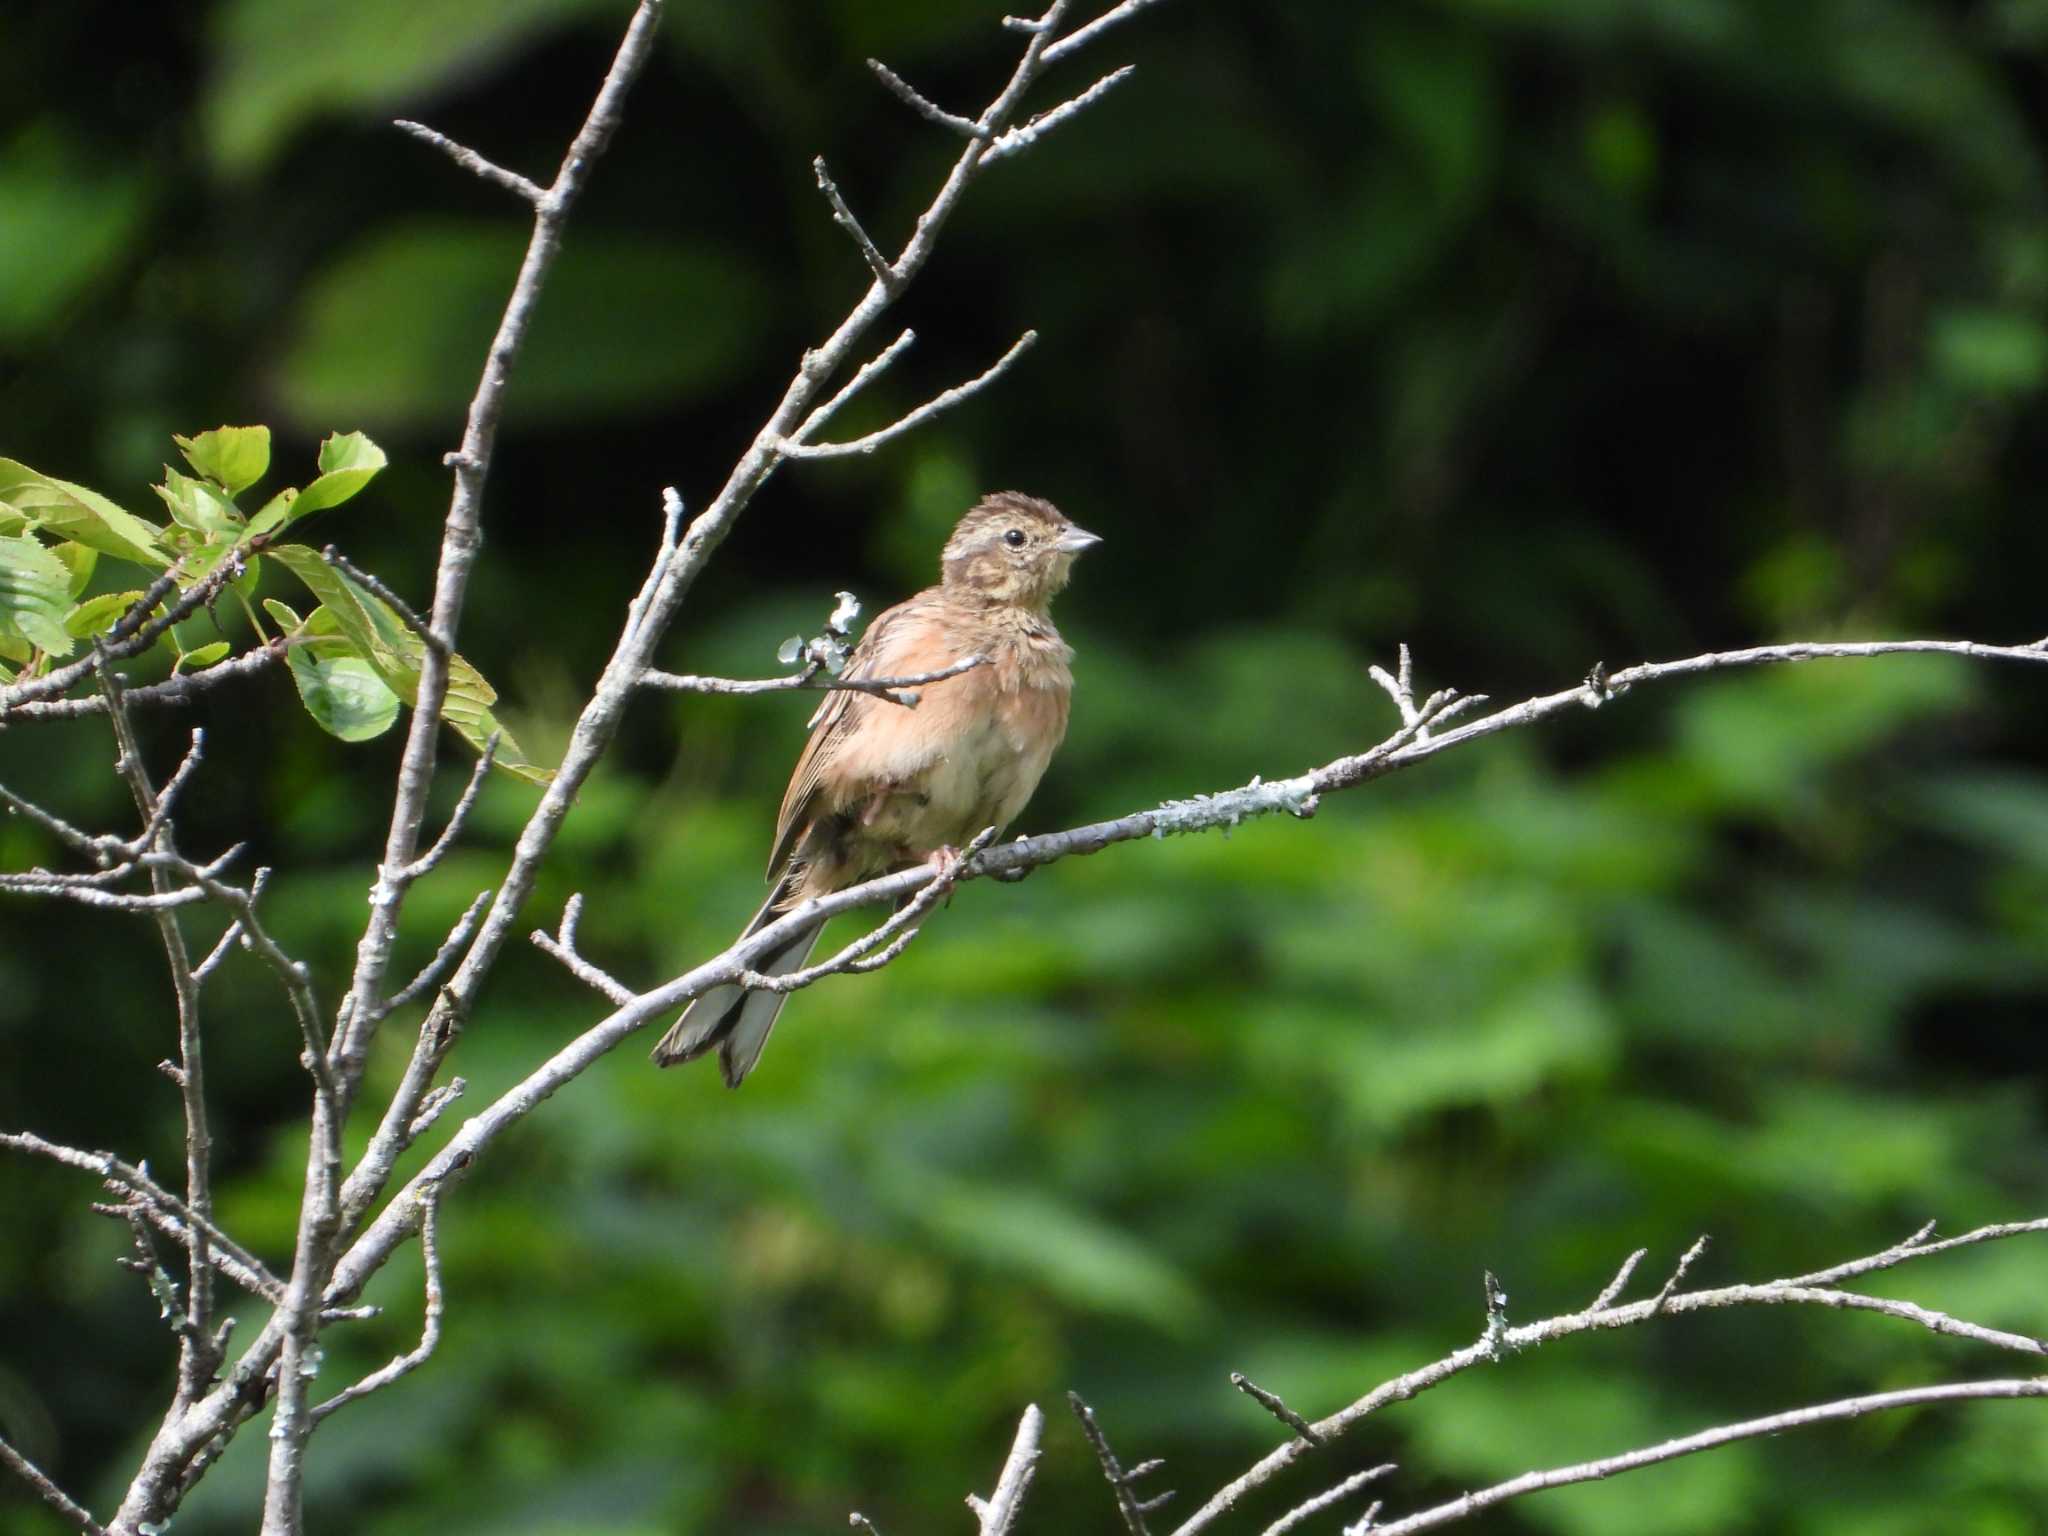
(1531, 332)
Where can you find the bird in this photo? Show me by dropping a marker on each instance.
(881, 787)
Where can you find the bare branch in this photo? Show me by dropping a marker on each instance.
(49, 1492)
(457, 818)
(170, 1213)
(1611, 1292)
(434, 1104)
(1272, 1404)
(883, 943)
(179, 688)
(930, 111)
(430, 1331)
(431, 973)
(1706, 1440)
(1017, 140)
(1605, 1315)
(198, 1361)
(790, 448)
(375, 586)
(1328, 1497)
(1686, 1260)
(814, 679)
(843, 217)
(1081, 37)
(473, 162)
(563, 948)
(460, 538)
(867, 371)
(1917, 1247)
(132, 634)
(1129, 1505)
(998, 1512)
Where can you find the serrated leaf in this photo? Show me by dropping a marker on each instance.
(79, 560)
(282, 615)
(348, 462)
(12, 519)
(75, 512)
(97, 615)
(202, 656)
(34, 593)
(235, 457)
(343, 693)
(377, 634)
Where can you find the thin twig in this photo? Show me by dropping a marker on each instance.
(1328, 1497)
(1706, 1440)
(998, 1512)
(430, 1331)
(563, 948)
(922, 105)
(179, 688)
(1081, 37)
(457, 818)
(882, 943)
(1611, 1292)
(377, 588)
(1022, 138)
(1129, 1505)
(1272, 1404)
(814, 679)
(49, 1492)
(431, 973)
(132, 634)
(1686, 1260)
(473, 162)
(862, 377)
(844, 218)
(163, 1206)
(791, 449)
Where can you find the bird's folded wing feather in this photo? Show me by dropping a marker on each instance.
(899, 643)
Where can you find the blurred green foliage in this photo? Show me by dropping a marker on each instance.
(1528, 331)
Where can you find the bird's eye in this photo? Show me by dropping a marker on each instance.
(1014, 538)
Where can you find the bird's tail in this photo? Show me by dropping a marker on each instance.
(733, 1019)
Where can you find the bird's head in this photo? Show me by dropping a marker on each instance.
(1013, 550)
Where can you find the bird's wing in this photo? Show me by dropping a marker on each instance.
(883, 652)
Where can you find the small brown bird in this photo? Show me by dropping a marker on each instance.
(880, 787)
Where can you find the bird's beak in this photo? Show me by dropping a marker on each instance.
(1074, 540)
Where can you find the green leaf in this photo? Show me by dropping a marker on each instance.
(348, 462)
(202, 656)
(12, 519)
(97, 615)
(197, 505)
(282, 615)
(81, 514)
(79, 559)
(377, 635)
(342, 693)
(235, 457)
(34, 592)
(275, 514)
